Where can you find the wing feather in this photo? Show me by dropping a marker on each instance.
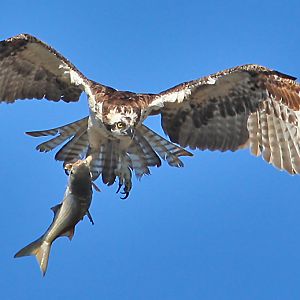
(246, 106)
(29, 69)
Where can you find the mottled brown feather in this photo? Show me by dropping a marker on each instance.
(31, 69)
(221, 98)
(246, 106)
(217, 112)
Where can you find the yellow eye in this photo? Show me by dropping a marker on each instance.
(120, 125)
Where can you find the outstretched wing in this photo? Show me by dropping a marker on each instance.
(244, 106)
(31, 69)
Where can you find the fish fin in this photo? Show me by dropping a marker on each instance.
(90, 217)
(56, 208)
(40, 249)
(69, 233)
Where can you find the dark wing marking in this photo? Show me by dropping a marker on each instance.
(31, 69)
(244, 106)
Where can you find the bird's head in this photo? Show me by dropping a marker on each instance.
(121, 121)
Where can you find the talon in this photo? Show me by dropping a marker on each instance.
(126, 195)
(125, 192)
(119, 188)
(67, 172)
(96, 187)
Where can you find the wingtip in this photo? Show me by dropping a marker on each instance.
(31, 133)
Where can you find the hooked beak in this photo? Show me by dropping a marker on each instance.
(130, 132)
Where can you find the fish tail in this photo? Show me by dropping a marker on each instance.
(41, 250)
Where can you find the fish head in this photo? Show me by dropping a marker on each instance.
(80, 179)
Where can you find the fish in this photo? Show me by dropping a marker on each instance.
(75, 205)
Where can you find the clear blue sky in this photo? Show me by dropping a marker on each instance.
(226, 226)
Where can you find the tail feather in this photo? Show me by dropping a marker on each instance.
(165, 149)
(40, 249)
(138, 160)
(64, 132)
(52, 143)
(75, 148)
(109, 157)
(110, 163)
(150, 155)
(123, 171)
(96, 160)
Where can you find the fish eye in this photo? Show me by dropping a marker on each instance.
(120, 125)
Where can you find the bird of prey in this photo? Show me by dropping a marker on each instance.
(245, 106)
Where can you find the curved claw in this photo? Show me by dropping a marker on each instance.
(96, 187)
(126, 194)
(125, 191)
(119, 188)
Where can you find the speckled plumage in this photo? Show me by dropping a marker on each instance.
(246, 106)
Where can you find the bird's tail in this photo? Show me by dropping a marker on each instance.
(109, 158)
(165, 149)
(144, 151)
(74, 148)
(41, 250)
(111, 161)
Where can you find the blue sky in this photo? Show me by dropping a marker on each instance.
(226, 226)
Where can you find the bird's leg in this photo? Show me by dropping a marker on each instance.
(126, 182)
(124, 173)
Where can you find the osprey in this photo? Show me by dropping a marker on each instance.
(245, 106)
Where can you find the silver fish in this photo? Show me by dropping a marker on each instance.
(74, 207)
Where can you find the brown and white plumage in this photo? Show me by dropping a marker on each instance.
(31, 69)
(246, 106)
